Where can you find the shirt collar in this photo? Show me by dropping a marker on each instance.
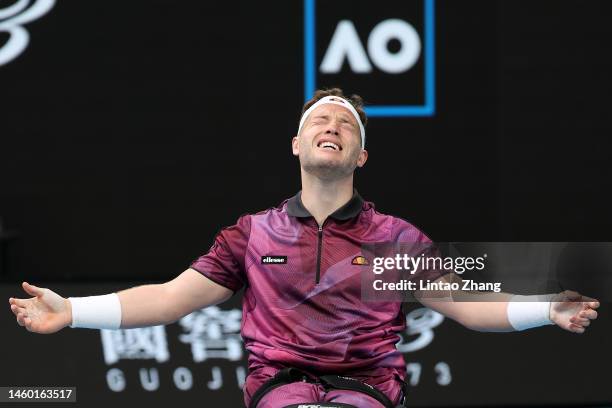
(351, 209)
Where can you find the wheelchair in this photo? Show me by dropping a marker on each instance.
(329, 382)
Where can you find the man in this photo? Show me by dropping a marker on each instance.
(302, 306)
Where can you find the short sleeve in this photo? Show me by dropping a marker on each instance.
(224, 262)
(408, 236)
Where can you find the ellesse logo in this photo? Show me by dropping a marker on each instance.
(360, 260)
(273, 259)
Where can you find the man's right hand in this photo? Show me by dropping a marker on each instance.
(46, 312)
(141, 306)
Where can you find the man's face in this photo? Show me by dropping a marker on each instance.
(329, 145)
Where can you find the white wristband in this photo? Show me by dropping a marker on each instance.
(526, 312)
(96, 312)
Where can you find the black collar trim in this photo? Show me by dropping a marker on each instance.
(351, 209)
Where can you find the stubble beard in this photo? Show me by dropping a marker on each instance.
(327, 169)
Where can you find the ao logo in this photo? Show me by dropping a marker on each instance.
(12, 19)
(345, 44)
(400, 81)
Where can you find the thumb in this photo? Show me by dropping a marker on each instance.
(590, 302)
(572, 296)
(32, 290)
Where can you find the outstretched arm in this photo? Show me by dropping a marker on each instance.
(503, 312)
(147, 305)
(151, 305)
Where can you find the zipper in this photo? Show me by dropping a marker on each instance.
(319, 247)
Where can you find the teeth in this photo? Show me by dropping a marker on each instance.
(330, 144)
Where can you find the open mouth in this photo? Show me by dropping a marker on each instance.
(330, 146)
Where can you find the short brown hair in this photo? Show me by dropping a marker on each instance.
(355, 100)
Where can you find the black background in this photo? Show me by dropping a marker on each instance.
(132, 131)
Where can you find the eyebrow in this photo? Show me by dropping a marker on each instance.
(327, 117)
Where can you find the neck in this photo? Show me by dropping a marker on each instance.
(322, 197)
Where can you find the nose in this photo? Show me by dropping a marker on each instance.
(332, 128)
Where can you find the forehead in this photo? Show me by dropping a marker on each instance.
(332, 110)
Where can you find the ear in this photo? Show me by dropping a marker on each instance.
(295, 145)
(363, 158)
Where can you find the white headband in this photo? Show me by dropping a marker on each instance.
(336, 100)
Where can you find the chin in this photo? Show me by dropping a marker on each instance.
(328, 169)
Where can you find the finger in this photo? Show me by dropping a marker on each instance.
(28, 323)
(588, 299)
(32, 290)
(593, 303)
(20, 318)
(31, 325)
(19, 302)
(588, 314)
(578, 320)
(576, 329)
(17, 310)
(581, 322)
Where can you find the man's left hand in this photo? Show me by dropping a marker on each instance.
(572, 311)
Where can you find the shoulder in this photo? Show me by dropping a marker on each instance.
(400, 228)
(268, 216)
